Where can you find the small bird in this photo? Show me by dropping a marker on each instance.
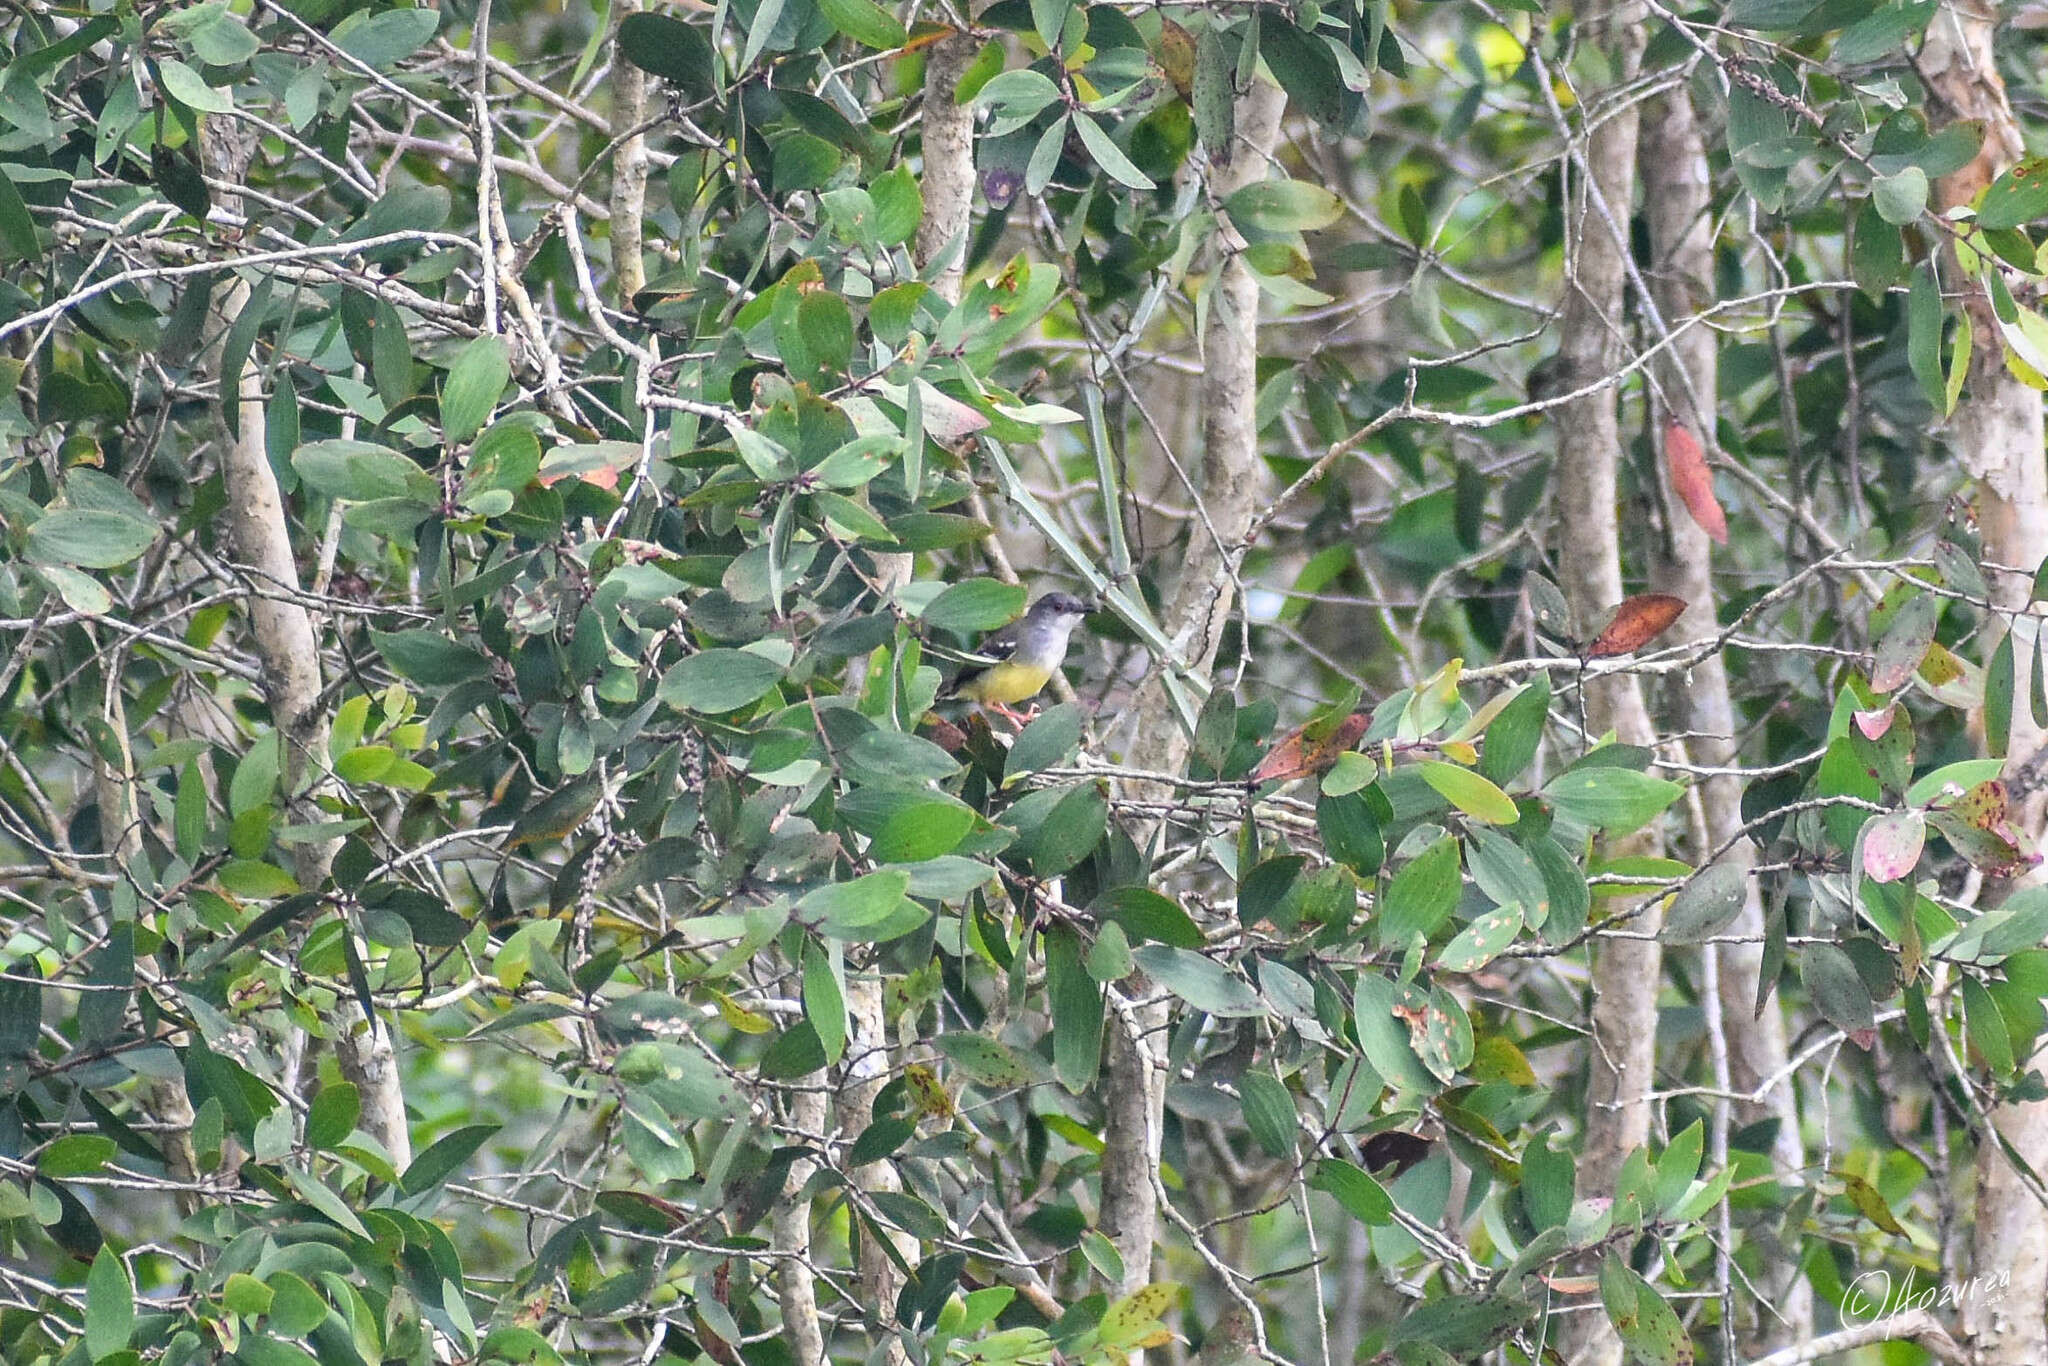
(1013, 663)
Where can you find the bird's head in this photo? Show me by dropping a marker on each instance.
(1063, 607)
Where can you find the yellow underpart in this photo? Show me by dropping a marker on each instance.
(1006, 684)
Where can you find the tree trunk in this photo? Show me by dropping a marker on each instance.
(1625, 972)
(1678, 204)
(1230, 482)
(281, 631)
(1996, 432)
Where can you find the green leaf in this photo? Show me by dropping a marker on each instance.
(1017, 95)
(1986, 1027)
(2018, 197)
(804, 161)
(1049, 740)
(975, 605)
(1304, 66)
(989, 1061)
(383, 40)
(1076, 1000)
(1469, 792)
(1837, 989)
(1269, 1112)
(1422, 895)
(1706, 905)
(76, 1155)
(333, 1114)
(1482, 941)
(1145, 914)
(1645, 1324)
(17, 227)
(1616, 800)
(1514, 735)
(1109, 156)
(921, 829)
(1384, 1037)
(1923, 334)
(321, 1197)
(359, 472)
(109, 1305)
(860, 904)
(188, 88)
(899, 205)
(664, 46)
(866, 22)
(1284, 206)
(717, 681)
(1069, 832)
(94, 539)
(475, 380)
(1549, 1180)
(443, 1157)
(1202, 982)
(1351, 832)
(430, 658)
(1902, 196)
(1354, 1188)
(824, 1002)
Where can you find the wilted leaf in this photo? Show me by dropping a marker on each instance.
(1299, 754)
(1693, 482)
(1634, 623)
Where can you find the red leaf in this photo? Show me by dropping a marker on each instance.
(1635, 623)
(1874, 723)
(1891, 845)
(1693, 482)
(1299, 754)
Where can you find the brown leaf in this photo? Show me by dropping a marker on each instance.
(1693, 482)
(1394, 1148)
(1300, 754)
(1635, 623)
(1177, 56)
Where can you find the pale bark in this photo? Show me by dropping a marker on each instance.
(1996, 432)
(1678, 204)
(629, 172)
(1230, 483)
(282, 633)
(948, 180)
(867, 1071)
(1625, 972)
(791, 1222)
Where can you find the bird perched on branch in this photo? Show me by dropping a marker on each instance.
(1012, 664)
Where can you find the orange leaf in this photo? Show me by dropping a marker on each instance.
(1635, 623)
(1693, 482)
(924, 37)
(1298, 754)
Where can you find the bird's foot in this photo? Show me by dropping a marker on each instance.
(1015, 718)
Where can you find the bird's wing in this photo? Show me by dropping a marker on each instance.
(992, 649)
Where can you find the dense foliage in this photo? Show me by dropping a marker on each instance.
(514, 892)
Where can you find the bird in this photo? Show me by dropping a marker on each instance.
(1014, 662)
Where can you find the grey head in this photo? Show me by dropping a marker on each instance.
(1040, 637)
(1057, 605)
